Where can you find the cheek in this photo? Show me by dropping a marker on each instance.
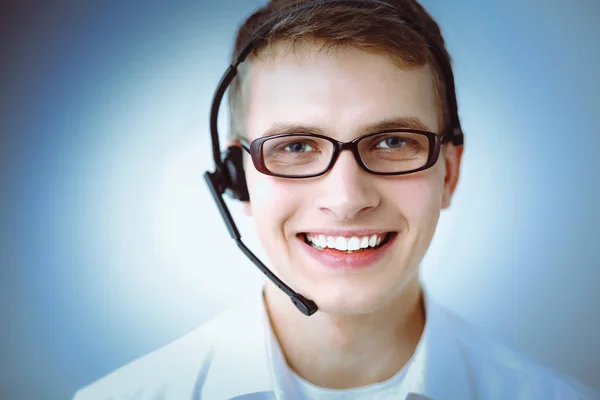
(420, 197)
(272, 202)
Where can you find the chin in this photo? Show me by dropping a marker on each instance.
(361, 295)
(348, 300)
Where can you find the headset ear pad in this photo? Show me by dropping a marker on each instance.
(234, 179)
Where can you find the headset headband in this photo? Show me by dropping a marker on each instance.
(456, 136)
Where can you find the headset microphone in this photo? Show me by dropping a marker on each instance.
(228, 177)
(306, 306)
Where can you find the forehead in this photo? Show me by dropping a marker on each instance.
(339, 91)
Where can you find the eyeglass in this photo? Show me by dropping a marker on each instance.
(386, 152)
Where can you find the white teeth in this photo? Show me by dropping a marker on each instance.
(341, 243)
(322, 241)
(331, 242)
(364, 243)
(354, 243)
(373, 241)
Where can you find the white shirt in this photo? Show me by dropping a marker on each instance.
(236, 356)
(295, 387)
(383, 390)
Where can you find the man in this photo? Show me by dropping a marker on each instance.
(352, 148)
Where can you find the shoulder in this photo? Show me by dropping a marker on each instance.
(172, 371)
(496, 366)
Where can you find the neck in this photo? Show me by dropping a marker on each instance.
(345, 351)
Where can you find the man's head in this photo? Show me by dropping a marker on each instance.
(342, 71)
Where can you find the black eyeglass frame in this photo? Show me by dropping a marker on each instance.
(435, 141)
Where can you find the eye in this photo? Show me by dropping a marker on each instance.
(392, 142)
(298, 147)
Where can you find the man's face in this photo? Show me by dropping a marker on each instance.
(340, 93)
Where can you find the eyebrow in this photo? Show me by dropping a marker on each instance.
(404, 122)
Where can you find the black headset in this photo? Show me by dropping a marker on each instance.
(229, 177)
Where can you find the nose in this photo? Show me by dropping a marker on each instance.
(346, 190)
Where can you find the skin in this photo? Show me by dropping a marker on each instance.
(369, 320)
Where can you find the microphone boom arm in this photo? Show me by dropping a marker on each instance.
(306, 306)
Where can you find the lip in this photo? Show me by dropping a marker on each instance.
(337, 260)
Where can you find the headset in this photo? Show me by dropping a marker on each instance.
(229, 178)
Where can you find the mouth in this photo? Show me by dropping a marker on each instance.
(343, 253)
(347, 245)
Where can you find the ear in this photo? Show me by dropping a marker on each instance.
(452, 159)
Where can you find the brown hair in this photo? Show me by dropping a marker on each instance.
(337, 25)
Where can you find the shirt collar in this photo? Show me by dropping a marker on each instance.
(439, 370)
(436, 369)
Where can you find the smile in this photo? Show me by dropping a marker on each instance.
(340, 253)
(346, 244)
